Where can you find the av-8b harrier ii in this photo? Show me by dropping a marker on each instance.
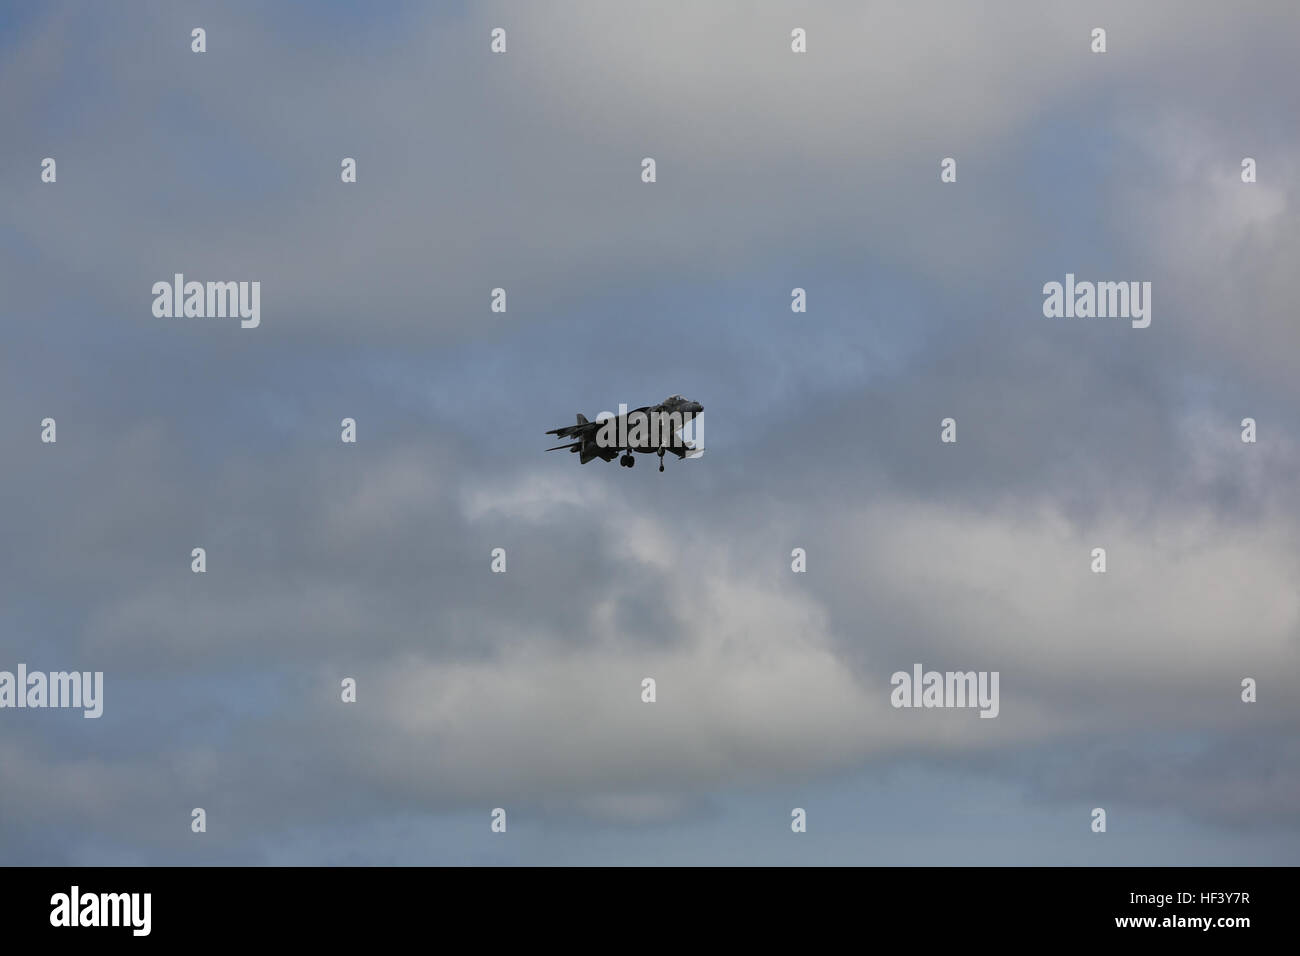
(648, 430)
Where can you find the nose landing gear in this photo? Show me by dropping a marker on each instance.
(661, 459)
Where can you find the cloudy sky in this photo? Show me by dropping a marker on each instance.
(523, 690)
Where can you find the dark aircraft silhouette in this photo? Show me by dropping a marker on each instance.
(648, 430)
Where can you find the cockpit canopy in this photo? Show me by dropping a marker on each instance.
(676, 403)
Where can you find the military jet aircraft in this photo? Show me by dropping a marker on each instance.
(648, 430)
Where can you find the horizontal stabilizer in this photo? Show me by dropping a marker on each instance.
(570, 431)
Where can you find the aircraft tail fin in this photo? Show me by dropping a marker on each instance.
(582, 419)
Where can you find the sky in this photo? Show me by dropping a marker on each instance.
(522, 690)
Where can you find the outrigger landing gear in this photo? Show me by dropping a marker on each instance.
(661, 459)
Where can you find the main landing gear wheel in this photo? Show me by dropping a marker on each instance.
(627, 461)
